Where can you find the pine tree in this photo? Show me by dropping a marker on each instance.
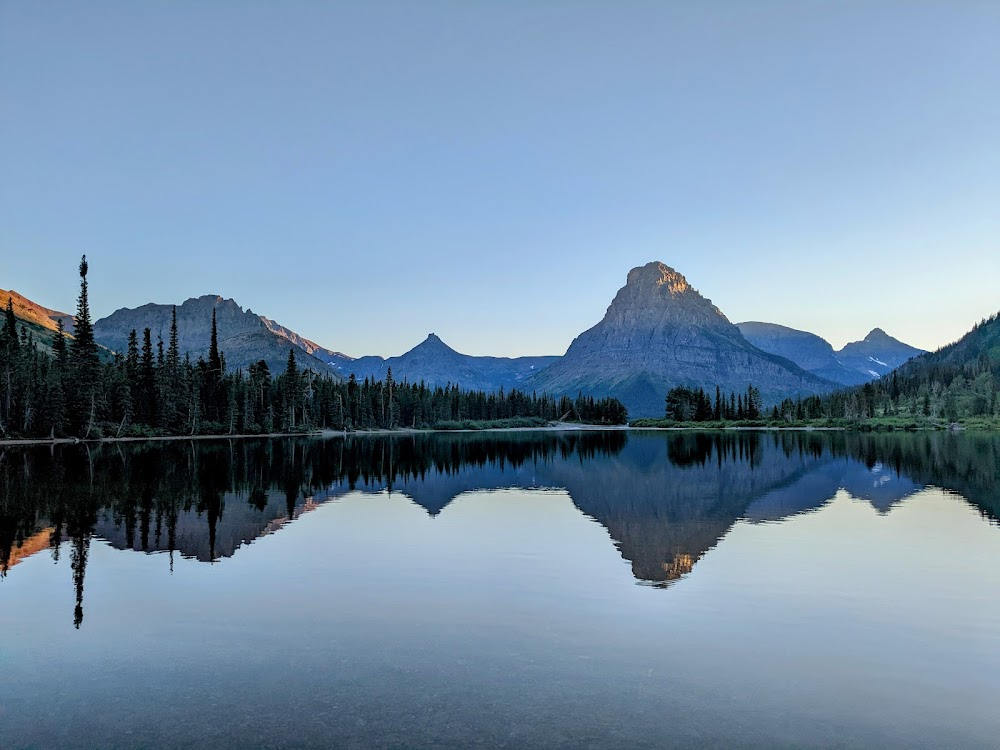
(59, 347)
(292, 391)
(10, 344)
(84, 347)
(147, 381)
(214, 358)
(85, 364)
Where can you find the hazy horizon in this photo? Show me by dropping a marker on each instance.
(367, 174)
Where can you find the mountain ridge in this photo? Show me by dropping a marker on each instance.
(854, 364)
(244, 336)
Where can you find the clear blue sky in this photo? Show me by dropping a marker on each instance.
(368, 172)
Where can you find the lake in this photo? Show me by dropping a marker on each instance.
(503, 590)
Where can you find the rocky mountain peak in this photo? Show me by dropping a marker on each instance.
(658, 276)
(655, 293)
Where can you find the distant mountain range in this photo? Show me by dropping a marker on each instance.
(658, 332)
(436, 363)
(857, 363)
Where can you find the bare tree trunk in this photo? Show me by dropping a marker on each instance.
(90, 421)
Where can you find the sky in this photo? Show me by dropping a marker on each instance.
(367, 173)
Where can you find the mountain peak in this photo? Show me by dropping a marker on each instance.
(877, 334)
(432, 345)
(657, 293)
(659, 276)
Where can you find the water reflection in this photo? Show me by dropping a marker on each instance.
(665, 498)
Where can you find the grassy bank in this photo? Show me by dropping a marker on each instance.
(492, 424)
(877, 424)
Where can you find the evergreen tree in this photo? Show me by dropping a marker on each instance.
(10, 342)
(59, 351)
(85, 364)
(147, 381)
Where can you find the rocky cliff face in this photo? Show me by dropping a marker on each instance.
(436, 363)
(244, 337)
(660, 332)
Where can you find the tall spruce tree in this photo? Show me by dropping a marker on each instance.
(10, 343)
(85, 364)
(59, 350)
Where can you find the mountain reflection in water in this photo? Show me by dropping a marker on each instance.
(665, 498)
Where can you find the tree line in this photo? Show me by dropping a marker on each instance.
(151, 389)
(685, 404)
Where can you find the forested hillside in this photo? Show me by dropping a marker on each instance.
(958, 383)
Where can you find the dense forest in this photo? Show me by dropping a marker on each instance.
(956, 384)
(152, 390)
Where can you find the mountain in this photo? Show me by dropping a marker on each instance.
(961, 379)
(33, 313)
(309, 347)
(660, 332)
(982, 342)
(244, 336)
(855, 364)
(809, 351)
(877, 354)
(958, 383)
(436, 363)
(39, 320)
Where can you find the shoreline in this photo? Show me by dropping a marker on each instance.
(565, 427)
(314, 434)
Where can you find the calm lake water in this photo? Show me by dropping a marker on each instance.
(518, 590)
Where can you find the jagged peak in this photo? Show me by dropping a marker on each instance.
(213, 299)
